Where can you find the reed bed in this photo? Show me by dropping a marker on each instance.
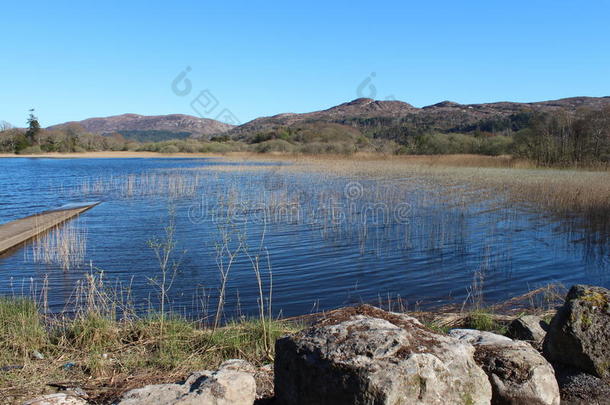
(64, 246)
(558, 191)
(400, 203)
(172, 183)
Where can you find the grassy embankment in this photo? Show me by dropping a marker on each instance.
(106, 355)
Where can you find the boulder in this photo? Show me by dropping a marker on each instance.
(518, 374)
(580, 388)
(365, 355)
(579, 334)
(56, 399)
(527, 327)
(232, 384)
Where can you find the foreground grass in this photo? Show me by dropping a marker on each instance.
(105, 356)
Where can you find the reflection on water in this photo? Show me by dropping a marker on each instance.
(331, 241)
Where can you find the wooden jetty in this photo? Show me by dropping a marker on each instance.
(14, 233)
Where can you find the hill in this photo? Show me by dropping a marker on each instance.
(151, 127)
(396, 119)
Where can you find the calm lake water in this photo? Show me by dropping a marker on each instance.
(329, 241)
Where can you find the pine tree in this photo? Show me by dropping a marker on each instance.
(33, 127)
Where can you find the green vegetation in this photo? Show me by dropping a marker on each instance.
(564, 139)
(482, 319)
(21, 329)
(97, 345)
(444, 144)
(73, 138)
(33, 128)
(317, 138)
(595, 299)
(556, 138)
(190, 146)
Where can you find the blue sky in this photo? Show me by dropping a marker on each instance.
(73, 60)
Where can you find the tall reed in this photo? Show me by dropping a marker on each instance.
(64, 246)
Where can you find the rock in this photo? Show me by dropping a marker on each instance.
(477, 337)
(77, 391)
(527, 327)
(579, 334)
(518, 374)
(365, 355)
(580, 388)
(37, 355)
(264, 382)
(56, 399)
(238, 365)
(155, 394)
(231, 384)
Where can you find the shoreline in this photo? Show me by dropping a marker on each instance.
(89, 361)
(108, 155)
(445, 160)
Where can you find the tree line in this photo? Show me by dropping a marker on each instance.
(557, 138)
(561, 138)
(71, 138)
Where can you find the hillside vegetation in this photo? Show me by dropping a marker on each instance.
(568, 132)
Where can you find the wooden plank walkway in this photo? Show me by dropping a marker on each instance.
(14, 233)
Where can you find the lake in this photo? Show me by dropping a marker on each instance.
(319, 241)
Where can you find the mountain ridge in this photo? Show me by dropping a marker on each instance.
(360, 113)
(172, 123)
(384, 115)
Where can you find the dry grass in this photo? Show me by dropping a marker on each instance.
(105, 349)
(173, 184)
(564, 192)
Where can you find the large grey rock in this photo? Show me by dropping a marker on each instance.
(579, 334)
(56, 399)
(518, 374)
(232, 384)
(527, 327)
(365, 355)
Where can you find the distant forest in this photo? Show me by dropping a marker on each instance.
(557, 138)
